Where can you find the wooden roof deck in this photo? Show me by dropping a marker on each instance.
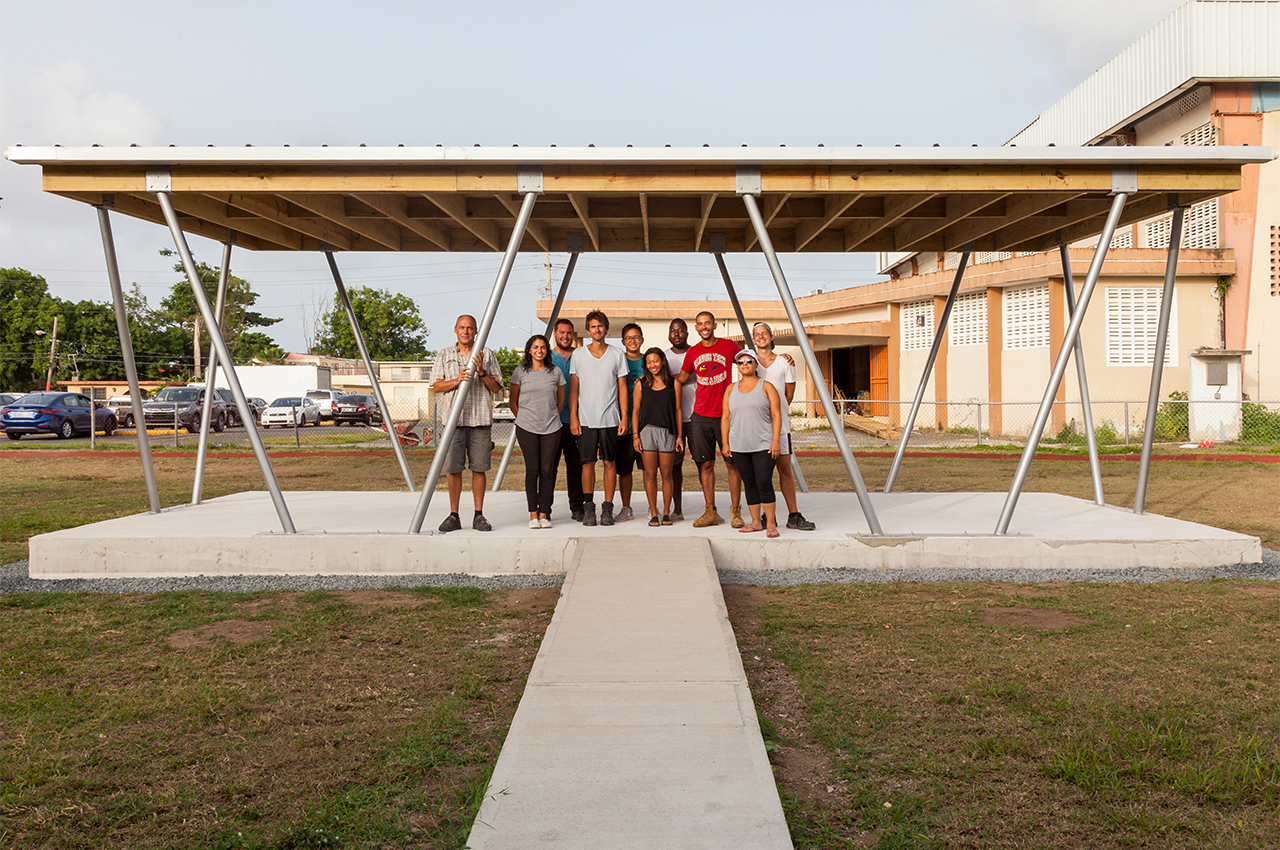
(639, 199)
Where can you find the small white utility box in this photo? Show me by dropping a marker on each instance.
(1215, 394)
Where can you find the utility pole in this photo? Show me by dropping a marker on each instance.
(53, 347)
(195, 348)
(545, 292)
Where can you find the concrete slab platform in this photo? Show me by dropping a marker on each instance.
(636, 728)
(365, 533)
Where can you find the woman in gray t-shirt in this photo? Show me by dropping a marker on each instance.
(750, 425)
(537, 397)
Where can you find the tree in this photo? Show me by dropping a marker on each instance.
(391, 325)
(180, 308)
(508, 359)
(25, 307)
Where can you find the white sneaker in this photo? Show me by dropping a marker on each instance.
(624, 515)
(677, 517)
(544, 523)
(533, 523)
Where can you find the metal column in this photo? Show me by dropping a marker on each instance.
(1060, 365)
(811, 362)
(733, 299)
(1157, 363)
(1091, 439)
(206, 413)
(551, 323)
(482, 336)
(126, 350)
(370, 368)
(928, 371)
(215, 333)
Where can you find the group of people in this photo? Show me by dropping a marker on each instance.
(626, 408)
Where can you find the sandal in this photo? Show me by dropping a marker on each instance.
(748, 529)
(666, 519)
(773, 532)
(653, 521)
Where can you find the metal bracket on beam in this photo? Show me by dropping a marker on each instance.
(108, 201)
(529, 179)
(575, 242)
(1173, 202)
(159, 179)
(748, 180)
(719, 243)
(1124, 179)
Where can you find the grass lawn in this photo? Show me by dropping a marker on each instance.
(902, 715)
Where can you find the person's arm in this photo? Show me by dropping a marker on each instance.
(724, 424)
(488, 370)
(515, 399)
(679, 420)
(635, 415)
(775, 414)
(445, 385)
(559, 398)
(575, 427)
(623, 396)
(791, 391)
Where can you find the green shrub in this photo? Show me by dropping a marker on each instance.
(1171, 419)
(1259, 425)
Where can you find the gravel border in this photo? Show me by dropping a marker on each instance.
(14, 578)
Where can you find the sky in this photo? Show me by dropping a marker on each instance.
(914, 72)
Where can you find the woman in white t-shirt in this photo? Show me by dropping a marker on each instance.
(781, 372)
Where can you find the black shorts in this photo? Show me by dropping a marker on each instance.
(628, 458)
(598, 444)
(704, 438)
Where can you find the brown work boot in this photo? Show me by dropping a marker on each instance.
(735, 517)
(709, 518)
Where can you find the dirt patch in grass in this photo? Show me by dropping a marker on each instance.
(236, 632)
(1147, 720)
(1034, 618)
(257, 721)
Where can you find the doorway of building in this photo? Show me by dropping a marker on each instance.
(851, 371)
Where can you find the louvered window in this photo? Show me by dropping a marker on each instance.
(1275, 260)
(917, 325)
(1124, 238)
(1026, 317)
(952, 261)
(1133, 318)
(402, 373)
(1200, 225)
(990, 256)
(969, 320)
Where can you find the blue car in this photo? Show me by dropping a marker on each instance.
(63, 414)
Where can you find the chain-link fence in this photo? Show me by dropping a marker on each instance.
(867, 424)
(976, 423)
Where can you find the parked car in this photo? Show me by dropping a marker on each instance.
(325, 400)
(287, 410)
(355, 408)
(63, 414)
(502, 412)
(183, 405)
(123, 407)
(258, 405)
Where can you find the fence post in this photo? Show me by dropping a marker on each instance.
(297, 444)
(1126, 424)
(979, 406)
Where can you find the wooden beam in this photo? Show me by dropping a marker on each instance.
(708, 201)
(1016, 209)
(835, 206)
(772, 206)
(1139, 208)
(895, 208)
(274, 209)
(536, 229)
(396, 208)
(145, 207)
(455, 207)
(1081, 209)
(582, 206)
(216, 212)
(958, 208)
(332, 208)
(644, 219)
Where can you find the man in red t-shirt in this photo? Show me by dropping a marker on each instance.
(710, 363)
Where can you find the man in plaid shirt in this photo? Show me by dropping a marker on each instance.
(472, 445)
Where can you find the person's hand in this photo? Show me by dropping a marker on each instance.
(479, 361)
(679, 445)
(775, 449)
(726, 454)
(636, 440)
(464, 375)
(622, 429)
(788, 358)
(575, 427)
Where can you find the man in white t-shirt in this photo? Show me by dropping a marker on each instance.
(678, 335)
(597, 404)
(781, 372)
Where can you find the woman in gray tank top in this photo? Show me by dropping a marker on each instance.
(751, 424)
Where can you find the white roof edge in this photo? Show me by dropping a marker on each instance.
(1006, 155)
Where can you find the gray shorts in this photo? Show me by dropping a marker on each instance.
(472, 448)
(655, 439)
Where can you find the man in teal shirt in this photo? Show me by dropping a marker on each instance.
(561, 352)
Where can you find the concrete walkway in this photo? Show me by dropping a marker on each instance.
(636, 728)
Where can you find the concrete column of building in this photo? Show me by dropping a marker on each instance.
(940, 365)
(896, 413)
(995, 360)
(813, 409)
(1057, 330)
(1237, 124)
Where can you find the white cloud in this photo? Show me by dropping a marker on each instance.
(64, 103)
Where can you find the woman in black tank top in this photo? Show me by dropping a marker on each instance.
(657, 430)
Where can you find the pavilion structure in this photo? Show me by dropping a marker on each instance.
(769, 201)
